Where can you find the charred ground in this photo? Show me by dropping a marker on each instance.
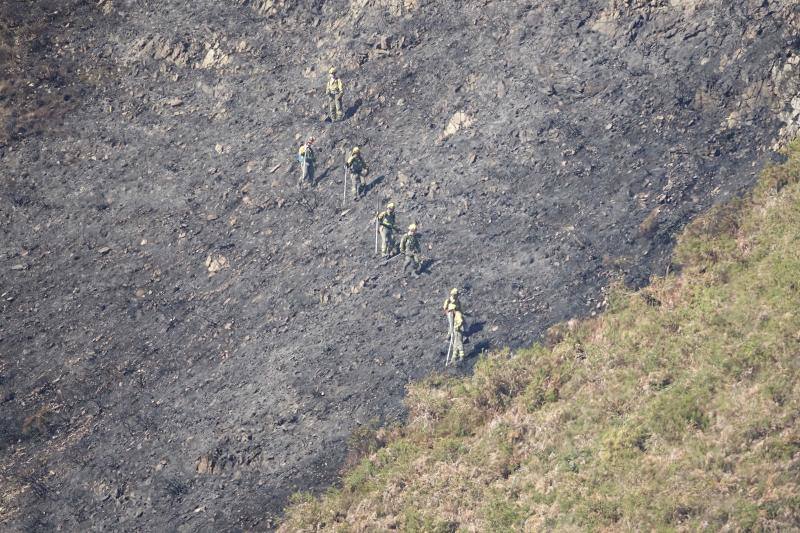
(141, 138)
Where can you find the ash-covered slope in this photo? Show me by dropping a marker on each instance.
(140, 138)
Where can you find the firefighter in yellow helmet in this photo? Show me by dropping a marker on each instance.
(334, 90)
(452, 301)
(410, 248)
(307, 159)
(449, 307)
(358, 170)
(387, 227)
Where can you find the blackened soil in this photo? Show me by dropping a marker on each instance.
(142, 140)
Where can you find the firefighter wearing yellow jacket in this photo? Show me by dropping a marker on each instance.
(334, 90)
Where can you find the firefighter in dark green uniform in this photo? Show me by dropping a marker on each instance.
(457, 354)
(358, 170)
(307, 162)
(387, 227)
(409, 246)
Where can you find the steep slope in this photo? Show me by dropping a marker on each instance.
(674, 410)
(140, 392)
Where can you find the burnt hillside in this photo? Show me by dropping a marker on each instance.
(140, 139)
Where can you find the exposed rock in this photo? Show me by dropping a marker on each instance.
(215, 263)
(205, 465)
(457, 122)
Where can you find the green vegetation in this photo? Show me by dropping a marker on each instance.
(675, 410)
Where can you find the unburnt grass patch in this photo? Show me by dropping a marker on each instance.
(676, 415)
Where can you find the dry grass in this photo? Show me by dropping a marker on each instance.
(675, 410)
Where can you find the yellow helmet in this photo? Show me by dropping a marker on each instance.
(356, 150)
(332, 70)
(390, 206)
(453, 292)
(412, 227)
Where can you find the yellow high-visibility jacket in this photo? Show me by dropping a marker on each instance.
(334, 87)
(458, 321)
